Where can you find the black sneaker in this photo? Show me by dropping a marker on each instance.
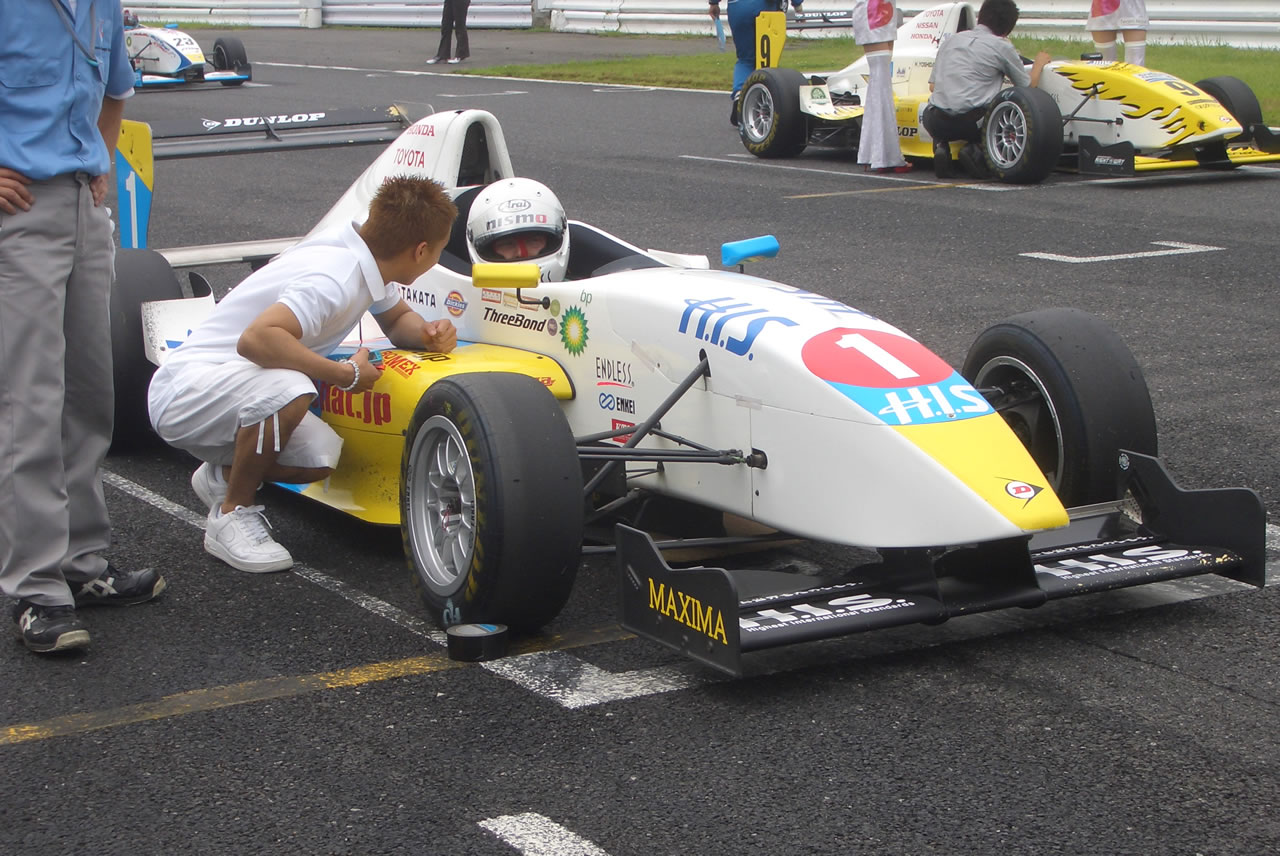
(974, 161)
(115, 587)
(735, 111)
(943, 165)
(44, 629)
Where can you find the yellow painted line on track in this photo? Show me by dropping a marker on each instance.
(283, 686)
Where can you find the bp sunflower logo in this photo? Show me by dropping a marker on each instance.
(573, 331)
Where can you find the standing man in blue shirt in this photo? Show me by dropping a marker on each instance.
(64, 75)
(742, 25)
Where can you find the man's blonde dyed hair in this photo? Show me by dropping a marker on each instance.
(406, 211)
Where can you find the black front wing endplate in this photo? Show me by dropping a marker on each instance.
(715, 615)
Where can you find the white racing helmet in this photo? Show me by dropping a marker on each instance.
(511, 208)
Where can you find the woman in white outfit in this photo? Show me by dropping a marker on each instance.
(1109, 17)
(875, 26)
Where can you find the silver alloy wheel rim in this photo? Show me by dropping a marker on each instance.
(758, 114)
(997, 372)
(442, 505)
(1007, 135)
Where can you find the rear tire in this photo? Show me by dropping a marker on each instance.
(771, 124)
(1073, 394)
(1022, 135)
(141, 276)
(491, 503)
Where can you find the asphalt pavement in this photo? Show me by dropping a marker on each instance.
(409, 47)
(315, 712)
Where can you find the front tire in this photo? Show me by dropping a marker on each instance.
(491, 504)
(1235, 95)
(771, 124)
(1073, 394)
(141, 276)
(229, 55)
(1022, 135)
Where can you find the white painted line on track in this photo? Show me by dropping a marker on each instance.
(747, 160)
(349, 593)
(1180, 248)
(484, 94)
(598, 87)
(535, 835)
(574, 684)
(742, 161)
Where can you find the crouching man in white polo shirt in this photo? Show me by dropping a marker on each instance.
(236, 394)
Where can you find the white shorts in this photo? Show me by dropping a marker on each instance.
(875, 21)
(1108, 15)
(201, 407)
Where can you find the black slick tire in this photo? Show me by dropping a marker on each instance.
(770, 123)
(141, 276)
(491, 504)
(1072, 392)
(229, 55)
(1022, 135)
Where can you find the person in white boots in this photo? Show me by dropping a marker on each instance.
(236, 394)
(875, 26)
(1107, 18)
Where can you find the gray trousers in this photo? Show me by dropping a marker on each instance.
(56, 398)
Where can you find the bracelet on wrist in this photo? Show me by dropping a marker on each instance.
(355, 379)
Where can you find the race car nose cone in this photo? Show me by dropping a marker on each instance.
(473, 643)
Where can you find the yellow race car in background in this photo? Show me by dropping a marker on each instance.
(1107, 118)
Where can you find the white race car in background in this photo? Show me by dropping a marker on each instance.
(166, 56)
(647, 393)
(1098, 117)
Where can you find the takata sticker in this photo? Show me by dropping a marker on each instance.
(892, 377)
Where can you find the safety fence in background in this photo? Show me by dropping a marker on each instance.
(1241, 23)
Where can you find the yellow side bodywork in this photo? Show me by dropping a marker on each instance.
(372, 424)
(1013, 486)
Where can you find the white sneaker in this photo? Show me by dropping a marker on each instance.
(209, 485)
(240, 538)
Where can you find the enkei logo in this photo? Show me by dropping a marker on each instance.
(613, 402)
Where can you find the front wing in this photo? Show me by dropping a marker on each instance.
(715, 615)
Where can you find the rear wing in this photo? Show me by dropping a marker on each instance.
(140, 145)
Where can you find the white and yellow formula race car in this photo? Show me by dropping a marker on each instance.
(1107, 118)
(649, 392)
(164, 57)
